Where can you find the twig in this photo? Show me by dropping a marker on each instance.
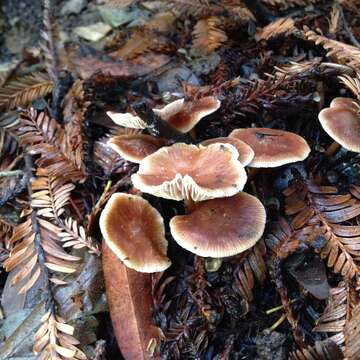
(11, 173)
(348, 28)
(278, 322)
(277, 308)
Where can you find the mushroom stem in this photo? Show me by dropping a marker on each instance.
(190, 205)
(332, 149)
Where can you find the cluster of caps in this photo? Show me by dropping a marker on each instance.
(221, 220)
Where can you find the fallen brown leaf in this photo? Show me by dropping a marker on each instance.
(129, 297)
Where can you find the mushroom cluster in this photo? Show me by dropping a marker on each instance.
(220, 219)
(180, 114)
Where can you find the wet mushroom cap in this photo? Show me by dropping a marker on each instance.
(341, 102)
(182, 171)
(341, 121)
(246, 153)
(221, 227)
(135, 147)
(184, 115)
(134, 231)
(127, 120)
(273, 147)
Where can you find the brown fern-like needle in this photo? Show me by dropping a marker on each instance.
(73, 235)
(319, 211)
(50, 195)
(54, 339)
(286, 4)
(282, 26)
(147, 38)
(339, 51)
(207, 35)
(45, 137)
(334, 316)
(352, 335)
(23, 256)
(325, 349)
(251, 266)
(23, 91)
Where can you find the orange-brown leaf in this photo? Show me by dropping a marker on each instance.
(129, 297)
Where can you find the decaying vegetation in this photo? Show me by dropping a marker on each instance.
(153, 110)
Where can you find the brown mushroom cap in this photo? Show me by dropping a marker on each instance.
(342, 122)
(341, 102)
(184, 115)
(127, 120)
(221, 227)
(273, 147)
(184, 171)
(135, 147)
(134, 231)
(246, 153)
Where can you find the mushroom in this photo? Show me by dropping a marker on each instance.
(184, 115)
(220, 227)
(134, 231)
(246, 153)
(341, 121)
(135, 147)
(273, 147)
(180, 114)
(182, 171)
(127, 120)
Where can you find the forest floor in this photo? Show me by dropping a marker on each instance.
(271, 64)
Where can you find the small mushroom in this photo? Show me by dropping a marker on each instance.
(246, 153)
(273, 147)
(184, 115)
(127, 120)
(221, 227)
(182, 171)
(134, 231)
(341, 121)
(135, 147)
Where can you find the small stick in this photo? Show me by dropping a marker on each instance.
(348, 28)
(11, 173)
(278, 322)
(277, 308)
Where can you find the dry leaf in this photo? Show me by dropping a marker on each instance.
(129, 297)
